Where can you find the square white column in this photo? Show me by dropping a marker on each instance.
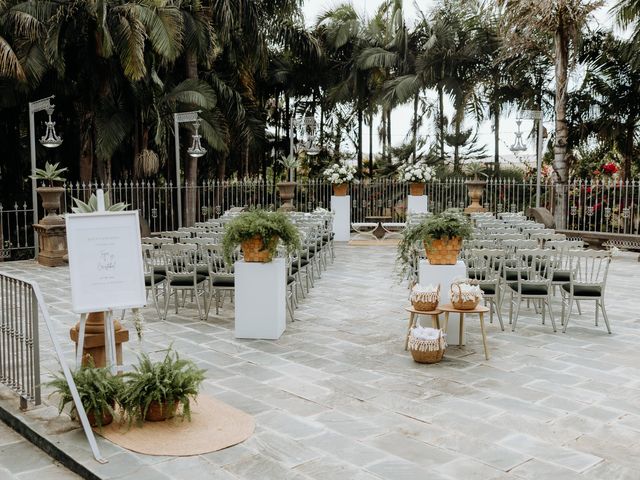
(444, 275)
(417, 204)
(341, 207)
(260, 299)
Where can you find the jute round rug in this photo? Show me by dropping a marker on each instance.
(214, 425)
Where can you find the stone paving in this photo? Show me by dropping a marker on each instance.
(337, 397)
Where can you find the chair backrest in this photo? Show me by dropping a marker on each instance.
(590, 267)
(484, 264)
(216, 261)
(506, 236)
(156, 241)
(565, 244)
(151, 259)
(511, 246)
(534, 266)
(543, 238)
(180, 258)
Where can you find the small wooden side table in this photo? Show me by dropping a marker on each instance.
(480, 310)
(413, 314)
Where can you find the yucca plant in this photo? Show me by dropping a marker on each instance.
(99, 392)
(169, 383)
(50, 173)
(92, 205)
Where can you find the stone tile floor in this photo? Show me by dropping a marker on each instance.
(337, 397)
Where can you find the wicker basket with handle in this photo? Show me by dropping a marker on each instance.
(464, 296)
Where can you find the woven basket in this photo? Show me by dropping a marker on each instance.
(427, 351)
(425, 306)
(416, 189)
(340, 189)
(443, 251)
(253, 250)
(461, 304)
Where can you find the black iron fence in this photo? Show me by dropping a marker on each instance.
(604, 206)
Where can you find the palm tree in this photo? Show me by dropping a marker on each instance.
(561, 20)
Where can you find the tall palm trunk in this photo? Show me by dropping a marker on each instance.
(496, 137)
(415, 126)
(86, 143)
(562, 131)
(456, 148)
(360, 122)
(389, 132)
(441, 120)
(629, 147)
(371, 145)
(191, 170)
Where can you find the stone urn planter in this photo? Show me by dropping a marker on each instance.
(416, 189)
(340, 189)
(286, 190)
(475, 189)
(51, 203)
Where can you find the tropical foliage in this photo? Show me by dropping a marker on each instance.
(268, 85)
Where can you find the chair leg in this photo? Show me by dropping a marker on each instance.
(566, 320)
(511, 307)
(597, 306)
(167, 297)
(515, 320)
(579, 308)
(604, 315)
(195, 292)
(499, 315)
(208, 302)
(553, 321)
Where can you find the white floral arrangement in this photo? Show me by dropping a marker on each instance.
(340, 173)
(416, 172)
(465, 292)
(425, 293)
(425, 339)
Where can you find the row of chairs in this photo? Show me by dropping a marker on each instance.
(191, 261)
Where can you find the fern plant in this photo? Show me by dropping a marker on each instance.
(267, 225)
(169, 382)
(449, 224)
(98, 388)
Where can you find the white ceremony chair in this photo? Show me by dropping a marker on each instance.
(588, 282)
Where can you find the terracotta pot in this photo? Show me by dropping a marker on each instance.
(107, 418)
(286, 190)
(253, 250)
(443, 251)
(51, 203)
(475, 188)
(340, 189)
(416, 189)
(158, 412)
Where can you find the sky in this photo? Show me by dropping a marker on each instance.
(401, 116)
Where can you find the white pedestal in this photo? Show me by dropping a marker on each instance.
(417, 204)
(260, 299)
(341, 206)
(444, 275)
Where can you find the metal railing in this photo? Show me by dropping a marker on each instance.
(602, 206)
(19, 339)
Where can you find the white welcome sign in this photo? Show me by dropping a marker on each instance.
(105, 261)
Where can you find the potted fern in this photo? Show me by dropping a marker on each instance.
(51, 193)
(258, 232)
(441, 235)
(99, 392)
(154, 390)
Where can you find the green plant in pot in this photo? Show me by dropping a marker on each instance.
(441, 235)
(475, 186)
(92, 205)
(287, 187)
(51, 193)
(99, 392)
(154, 390)
(258, 232)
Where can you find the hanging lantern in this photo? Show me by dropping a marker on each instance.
(518, 145)
(196, 150)
(50, 139)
